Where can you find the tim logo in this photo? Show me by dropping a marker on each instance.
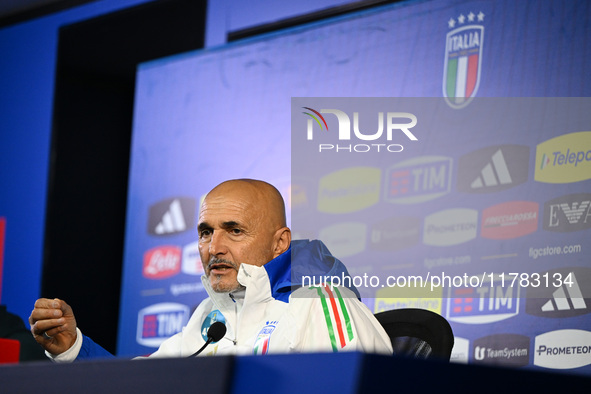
(509, 220)
(484, 304)
(568, 213)
(568, 297)
(160, 321)
(493, 169)
(418, 180)
(171, 216)
(162, 262)
(388, 124)
(463, 59)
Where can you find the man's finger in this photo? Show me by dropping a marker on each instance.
(45, 303)
(42, 326)
(64, 307)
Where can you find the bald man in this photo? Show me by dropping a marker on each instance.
(253, 276)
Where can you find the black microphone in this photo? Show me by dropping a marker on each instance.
(215, 332)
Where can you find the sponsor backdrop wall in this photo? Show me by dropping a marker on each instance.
(492, 184)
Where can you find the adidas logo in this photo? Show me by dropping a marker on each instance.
(494, 173)
(493, 169)
(560, 298)
(172, 221)
(171, 216)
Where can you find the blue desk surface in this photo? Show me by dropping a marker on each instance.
(295, 373)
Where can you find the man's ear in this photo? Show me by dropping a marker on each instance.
(282, 240)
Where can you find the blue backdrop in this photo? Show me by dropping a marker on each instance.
(207, 116)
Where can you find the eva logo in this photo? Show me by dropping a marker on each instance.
(394, 122)
(159, 321)
(349, 190)
(564, 159)
(510, 220)
(568, 213)
(418, 180)
(463, 59)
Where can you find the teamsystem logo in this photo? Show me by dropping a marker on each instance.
(502, 349)
(392, 123)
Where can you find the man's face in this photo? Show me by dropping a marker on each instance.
(232, 230)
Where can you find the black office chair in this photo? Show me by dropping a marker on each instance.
(418, 333)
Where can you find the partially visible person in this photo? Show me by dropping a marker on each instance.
(253, 274)
(13, 327)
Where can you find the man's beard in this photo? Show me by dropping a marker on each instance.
(215, 280)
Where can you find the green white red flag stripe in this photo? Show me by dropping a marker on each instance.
(338, 321)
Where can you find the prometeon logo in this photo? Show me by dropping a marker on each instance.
(493, 169)
(564, 159)
(463, 58)
(568, 213)
(374, 140)
(563, 349)
(450, 227)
